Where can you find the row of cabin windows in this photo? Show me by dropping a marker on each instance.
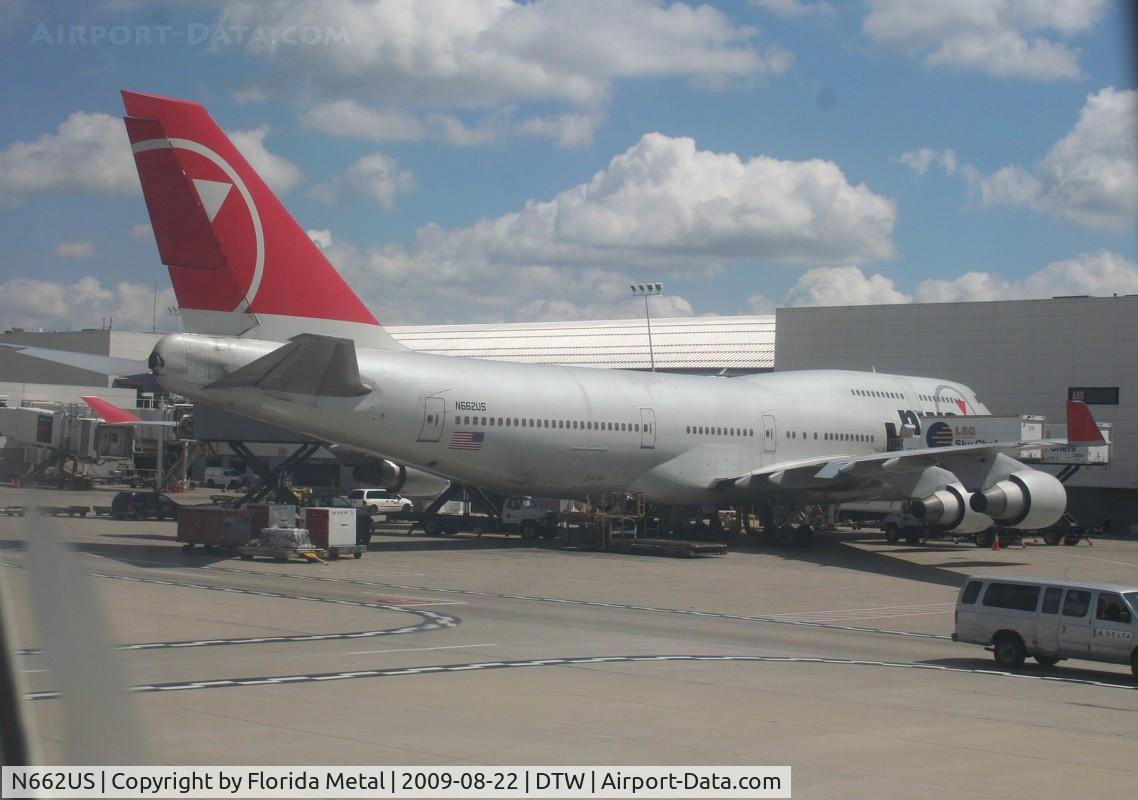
(876, 393)
(831, 437)
(928, 398)
(570, 424)
(708, 430)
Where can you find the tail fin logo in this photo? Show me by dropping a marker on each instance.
(196, 273)
(237, 258)
(212, 194)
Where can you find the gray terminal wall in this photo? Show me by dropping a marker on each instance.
(1020, 356)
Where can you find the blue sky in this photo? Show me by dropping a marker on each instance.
(479, 160)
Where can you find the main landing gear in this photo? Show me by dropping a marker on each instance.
(787, 535)
(782, 526)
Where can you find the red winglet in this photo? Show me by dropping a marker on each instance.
(109, 412)
(1081, 426)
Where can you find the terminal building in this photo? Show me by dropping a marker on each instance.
(1021, 357)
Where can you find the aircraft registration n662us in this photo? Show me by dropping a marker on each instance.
(279, 336)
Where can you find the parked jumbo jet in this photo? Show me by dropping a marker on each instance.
(277, 335)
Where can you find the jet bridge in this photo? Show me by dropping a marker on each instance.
(63, 437)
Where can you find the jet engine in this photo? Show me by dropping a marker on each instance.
(949, 508)
(1028, 499)
(398, 478)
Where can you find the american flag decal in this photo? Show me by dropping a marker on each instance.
(466, 440)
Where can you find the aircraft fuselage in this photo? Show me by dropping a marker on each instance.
(574, 432)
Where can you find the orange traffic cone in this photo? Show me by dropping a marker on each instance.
(996, 541)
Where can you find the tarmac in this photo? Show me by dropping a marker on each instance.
(493, 651)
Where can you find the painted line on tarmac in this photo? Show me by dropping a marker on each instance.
(773, 619)
(776, 619)
(421, 649)
(324, 677)
(431, 620)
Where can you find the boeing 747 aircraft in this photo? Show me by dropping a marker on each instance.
(277, 335)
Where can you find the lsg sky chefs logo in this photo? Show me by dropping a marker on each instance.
(193, 34)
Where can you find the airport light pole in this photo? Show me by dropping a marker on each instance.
(646, 290)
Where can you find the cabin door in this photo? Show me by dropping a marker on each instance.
(770, 434)
(647, 429)
(432, 420)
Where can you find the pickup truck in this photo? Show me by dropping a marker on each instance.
(523, 516)
(518, 515)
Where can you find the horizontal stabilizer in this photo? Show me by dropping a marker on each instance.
(107, 365)
(324, 366)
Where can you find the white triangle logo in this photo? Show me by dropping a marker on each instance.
(212, 194)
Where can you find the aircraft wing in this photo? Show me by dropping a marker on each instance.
(851, 472)
(309, 364)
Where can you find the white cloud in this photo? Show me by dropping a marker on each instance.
(1089, 177)
(452, 130)
(249, 94)
(665, 201)
(321, 237)
(844, 286)
(278, 172)
(141, 231)
(920, 160)
(796, 8)
(1006, 38)
(349, 118)
(661, 208)
(431, 287)
(87, 153)
(30, 303)
(376, 176)
(485, 53)
(91, 153)
(568, 130)
(1101, 273)
(761, 304)
(74, 249)
(667, 206)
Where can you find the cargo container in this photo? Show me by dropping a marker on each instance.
(271, 515)
(333, 529)
(213, 527)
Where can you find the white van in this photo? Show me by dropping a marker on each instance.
(225, 477)
(379, 501)
(1049, 620)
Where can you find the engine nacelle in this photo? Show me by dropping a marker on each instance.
(949, 508)
(398, 478)
(1028, 499)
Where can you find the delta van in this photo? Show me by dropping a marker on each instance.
(1049, 620)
